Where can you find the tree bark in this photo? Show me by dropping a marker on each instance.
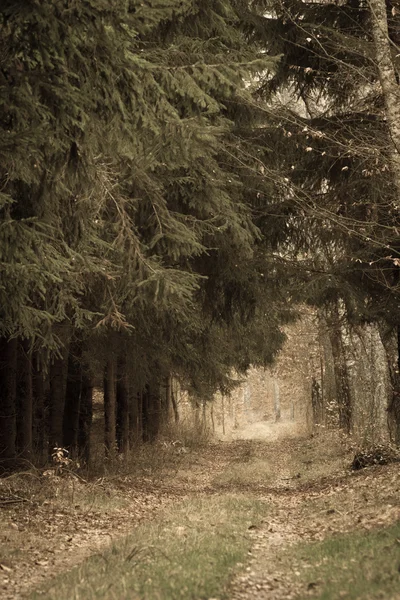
(73, 399)
(58, 386)
(145, 414)
(110, 401)
(394, 406)
(85, 418)
(24, 401)
(135, 409)
(123, 409)
(343, 393)
(391, 344)
(8, 389)
(388, 80)
(151, 411)
(40, 422)
(317, 402)
(174, 402)
(168, 400)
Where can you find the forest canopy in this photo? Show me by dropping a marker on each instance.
(175, 177)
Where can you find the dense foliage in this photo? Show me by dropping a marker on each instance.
(168, 189)
(128, 242)
(328, 115)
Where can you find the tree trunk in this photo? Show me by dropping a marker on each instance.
(123, 409)
(73, 399)
(343, 394)
(317, 402)
(85, 418)
(394, 406)
(223, 413)
(58, 386)
(277, 402)
(204, 415)
(8, 388)
(391, 95)
(390, 87)
(151, 411)
(391, 344)
(40, 392)
(110, 400)
(145, 414)
(135, 409)
(24, 401)
(174, 402)
(168, 401)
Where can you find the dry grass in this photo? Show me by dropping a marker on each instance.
(305, 460)
(188, 553)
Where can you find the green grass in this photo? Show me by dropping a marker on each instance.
(189, 553)
(364, 566)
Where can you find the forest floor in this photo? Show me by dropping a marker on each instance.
(277, 518)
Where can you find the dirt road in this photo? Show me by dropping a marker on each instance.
(269, 431)
(52, 523)
(313, 495)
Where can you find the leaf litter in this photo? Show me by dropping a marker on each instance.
(307, 482)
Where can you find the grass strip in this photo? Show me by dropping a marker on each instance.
(358, 565)
(189, 552)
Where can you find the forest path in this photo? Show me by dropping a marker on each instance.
(313, 496)
(305, 482)
(268, 431)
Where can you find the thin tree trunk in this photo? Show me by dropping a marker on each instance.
(24, 401)
(212, 416)
(322, 385)
(145, 414)
(110, 401)
(140, 416)
(204, 415)
(85, 418)
(343, 395)
(316, 402)
(58, 387)
(40, 391)
(174, 402)
(8, 388)
(123, 409)
(155, 410)
(73, 399)
(168, 401)
(151, 411)
(135, 433)
(277, 402)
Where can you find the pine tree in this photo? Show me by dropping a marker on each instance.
(123, 210)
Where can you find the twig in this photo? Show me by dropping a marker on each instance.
(13, 501)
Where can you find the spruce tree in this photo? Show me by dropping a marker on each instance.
(123, 209)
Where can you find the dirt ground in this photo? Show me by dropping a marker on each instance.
(50, 523)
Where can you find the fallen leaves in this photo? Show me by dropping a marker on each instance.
(55, 532)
